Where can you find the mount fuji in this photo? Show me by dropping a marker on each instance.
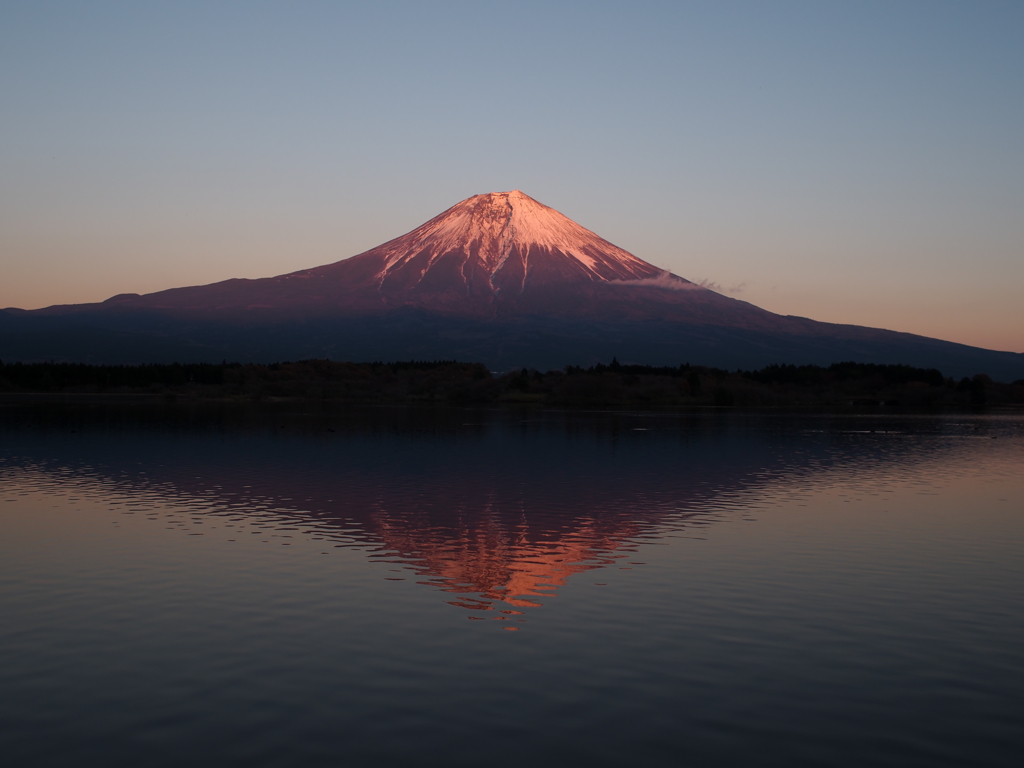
(499, 278)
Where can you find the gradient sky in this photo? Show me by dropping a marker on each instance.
(856, 163)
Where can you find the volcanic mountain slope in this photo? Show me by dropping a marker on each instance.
(498, 278)
(493, 251)
(491, 255)
(501, 255)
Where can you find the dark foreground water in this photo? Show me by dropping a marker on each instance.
(300, 586)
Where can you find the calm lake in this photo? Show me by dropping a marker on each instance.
(305, 586)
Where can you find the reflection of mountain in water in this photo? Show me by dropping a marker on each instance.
(492, 560)
(495, 507)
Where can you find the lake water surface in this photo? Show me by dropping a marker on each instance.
(297, 585)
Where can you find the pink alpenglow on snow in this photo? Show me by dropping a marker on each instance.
(497, 233)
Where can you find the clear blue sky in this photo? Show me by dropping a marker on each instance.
(858, 162)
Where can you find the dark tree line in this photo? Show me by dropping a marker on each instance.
(614, 384)
(55, 377)
(809, 375)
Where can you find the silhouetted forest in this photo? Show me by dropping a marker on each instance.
(841, 385)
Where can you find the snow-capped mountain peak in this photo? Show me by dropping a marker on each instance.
(511, 232)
